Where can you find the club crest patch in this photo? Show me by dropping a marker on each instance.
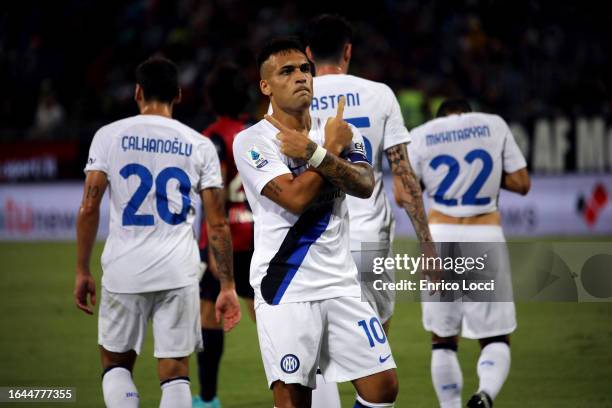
(290, 363)
(256, 158)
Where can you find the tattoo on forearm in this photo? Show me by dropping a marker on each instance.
(411, 196)
(220, 240)
(272, 188)
(353, 179)
(221, 245)
(310, 149)
(93, 192)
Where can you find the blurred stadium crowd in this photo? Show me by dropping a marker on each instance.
(66, 67)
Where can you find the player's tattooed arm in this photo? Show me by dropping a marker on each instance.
(407, 190)
(220, 239)
(88, 219)
(294, 194)
(227, 307)
(356, 179)
(272, 189)
(93, 192)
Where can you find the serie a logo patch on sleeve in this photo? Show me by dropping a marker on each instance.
(257, 159)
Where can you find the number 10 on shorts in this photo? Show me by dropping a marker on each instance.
(373, 331)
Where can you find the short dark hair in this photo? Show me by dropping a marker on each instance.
(227, 90)
(454, 105)
(278, 45)
(326, 36)
(158, 78)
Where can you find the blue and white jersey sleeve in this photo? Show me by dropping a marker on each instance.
(257, 159)
(395, 131)
(210, 172)
(98, 152)
(356, 153)
(513, 158)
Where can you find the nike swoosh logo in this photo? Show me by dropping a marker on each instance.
(383, 359)
(296, 168)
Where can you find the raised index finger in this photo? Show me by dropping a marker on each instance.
(341, 103)
(277, 124)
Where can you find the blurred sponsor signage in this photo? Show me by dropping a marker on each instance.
(556, 206)
(30, 212)
(572, 205)
(39, 160)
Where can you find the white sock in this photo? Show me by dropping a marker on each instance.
(372, 404)
(119, 389)
(493, 368)
(176, 393)
(325, 395)
(446, 377)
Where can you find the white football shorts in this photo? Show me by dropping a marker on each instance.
(473, 320)
(175, 313)
(341, 336)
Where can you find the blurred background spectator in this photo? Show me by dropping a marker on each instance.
(66, 67)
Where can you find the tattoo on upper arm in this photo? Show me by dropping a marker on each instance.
(398, 159)
(272, 188)
(411, 197)
(395, 154)
(93, 192)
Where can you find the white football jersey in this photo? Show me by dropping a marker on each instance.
(155, 168)
(371, 107)
(460, 160)
(297, 258)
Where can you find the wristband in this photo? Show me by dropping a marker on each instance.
(317, 157)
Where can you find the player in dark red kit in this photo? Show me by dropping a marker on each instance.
(227, 92)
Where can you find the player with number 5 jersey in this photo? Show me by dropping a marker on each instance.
(373, 109)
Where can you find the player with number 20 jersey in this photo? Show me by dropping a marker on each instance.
(154, 167)
(151, 244)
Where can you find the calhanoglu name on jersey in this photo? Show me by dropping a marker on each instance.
(426, 285)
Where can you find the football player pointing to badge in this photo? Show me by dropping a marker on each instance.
(296, 172)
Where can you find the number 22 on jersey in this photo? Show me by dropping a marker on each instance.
(470, 197)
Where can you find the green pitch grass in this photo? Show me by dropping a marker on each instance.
(561, 352)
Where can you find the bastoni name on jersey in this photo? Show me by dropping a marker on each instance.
(330, 101)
